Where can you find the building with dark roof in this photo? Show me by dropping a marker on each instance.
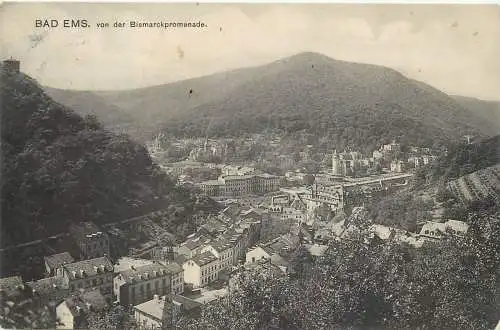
(92, 242)
(94, 273)
(50, 290)
(54, 263)
(152, 314)
(192, 245)
(137, 285)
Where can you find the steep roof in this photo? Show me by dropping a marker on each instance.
(204, 258)
(57, 260)
(154, 307)
(47, 286)
(86, 301)
(90, 267)
(149, 271)
(195, 242)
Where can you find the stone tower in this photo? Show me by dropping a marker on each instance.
(336, 168)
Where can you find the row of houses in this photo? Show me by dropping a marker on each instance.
(219, 244)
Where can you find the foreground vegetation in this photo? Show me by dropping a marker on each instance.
(359, 283)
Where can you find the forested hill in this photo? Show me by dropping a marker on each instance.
(463, 159)
(59, 168)
(344, 103)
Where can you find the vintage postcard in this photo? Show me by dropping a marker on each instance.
(249, 166)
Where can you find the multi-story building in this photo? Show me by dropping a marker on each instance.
(137, 285)
(397, 166)
(201, 269)
(91, 241)
(238, 185)
(88, 274)
(222, 248)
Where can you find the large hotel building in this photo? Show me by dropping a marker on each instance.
(238, 185)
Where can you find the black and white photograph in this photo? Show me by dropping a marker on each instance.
(296, 166)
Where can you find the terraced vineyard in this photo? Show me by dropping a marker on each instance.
(476, 186)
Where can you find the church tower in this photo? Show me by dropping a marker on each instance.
(336, 168)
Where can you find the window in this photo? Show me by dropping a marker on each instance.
(157, 285)
(94, 282)
(148, 286)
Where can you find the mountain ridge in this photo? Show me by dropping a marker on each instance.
(308, 81)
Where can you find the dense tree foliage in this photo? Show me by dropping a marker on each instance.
(401, 210)
(460, 160)
(360, 283)
(59, 168)
(117, 318)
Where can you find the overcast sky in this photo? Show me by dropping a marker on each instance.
(455, 48)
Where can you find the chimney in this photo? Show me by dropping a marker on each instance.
(96, 269)
(82, 272)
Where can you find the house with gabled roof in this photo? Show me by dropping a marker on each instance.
(54, 263)
(202, 269)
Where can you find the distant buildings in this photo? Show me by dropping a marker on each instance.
(11, 65)
(92, 242)
(436, 230)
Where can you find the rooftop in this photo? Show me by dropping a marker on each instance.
(195, 242)
(126, 263)
(459, 227)
(86, 268)
(316, 250)
(47, 286)
(83, 229)
(155, 306)
(204, 258)
(149, 271)
(85, 301)
(56, 260)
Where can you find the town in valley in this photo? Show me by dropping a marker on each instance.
(306, 193)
